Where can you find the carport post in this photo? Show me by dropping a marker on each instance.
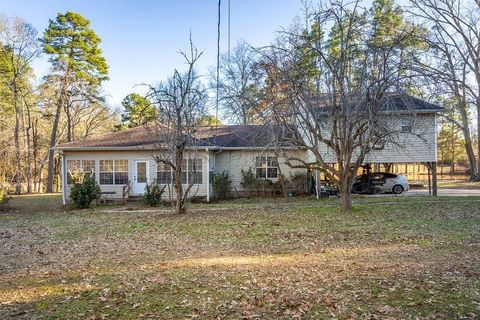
(208, 174)
(434, 178)
(429, 171)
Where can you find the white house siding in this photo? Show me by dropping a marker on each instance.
(419, 146)
(131, 156)
(233, 161)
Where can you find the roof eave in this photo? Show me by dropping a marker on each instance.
(139, 148)
(422, 111)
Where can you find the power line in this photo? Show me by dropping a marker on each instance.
(228, 29)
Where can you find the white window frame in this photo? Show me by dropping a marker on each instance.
(407, 125)
(81, 166)
(186, 163)
(266, 163)
(114, 171)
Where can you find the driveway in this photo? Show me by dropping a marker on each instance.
(446, 192)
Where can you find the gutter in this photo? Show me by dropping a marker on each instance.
(133, 148)
(422, 111)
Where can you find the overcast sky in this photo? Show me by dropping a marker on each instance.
(141, 38)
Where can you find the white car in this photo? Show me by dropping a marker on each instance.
(380, 182)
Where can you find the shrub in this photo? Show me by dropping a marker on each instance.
(4, 197)
(221, 185)
(84, 190)
(153, 194)
(297, 182)
(248, 178)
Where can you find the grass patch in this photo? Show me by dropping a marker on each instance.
(397, 257)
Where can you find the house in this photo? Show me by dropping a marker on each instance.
(413, 128)
(123, 162)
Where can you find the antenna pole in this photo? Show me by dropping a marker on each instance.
(229, 29)
(218, 69)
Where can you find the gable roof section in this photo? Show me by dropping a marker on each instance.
(392, 102)
(395, 102)
(145, 138)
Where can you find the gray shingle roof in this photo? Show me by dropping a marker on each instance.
(146, 137)
(391, 103)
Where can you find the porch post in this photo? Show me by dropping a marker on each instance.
(64, 179)
(208, 175)
(434, 178)
(317, 187)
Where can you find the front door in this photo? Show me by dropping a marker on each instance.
(140, 176)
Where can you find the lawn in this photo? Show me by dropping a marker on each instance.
(391, 258)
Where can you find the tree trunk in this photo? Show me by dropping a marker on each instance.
(468, 142)
(16, 134)
(69, 122)
(179, 200)
(51, 152)
(27, 127)
(478, 138)
(345, 188)
(36, 182)
(53, 138)
(345, 200)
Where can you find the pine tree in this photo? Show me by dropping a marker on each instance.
(138, 111)
(75, 56)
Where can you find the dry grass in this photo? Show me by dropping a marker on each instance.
(460, 184)
(397, 258)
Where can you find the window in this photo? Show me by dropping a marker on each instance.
(106, 171)
(195, 170)
(267, 167)
(121, 171)
(184, 171)
(407, 126)
(86, 166)
(72, 166)
(192, 172)
(114, 172)
(164, 174)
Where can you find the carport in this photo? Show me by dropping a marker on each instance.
(431, 167)
(414, 143)
(389, 167)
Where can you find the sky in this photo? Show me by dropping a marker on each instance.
(141, 39)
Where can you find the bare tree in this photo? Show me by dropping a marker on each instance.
(453, 60)
(239, 92)
(331, 83)
(181, 101)
(19, 41)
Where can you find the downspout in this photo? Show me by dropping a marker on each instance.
(64, 180)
